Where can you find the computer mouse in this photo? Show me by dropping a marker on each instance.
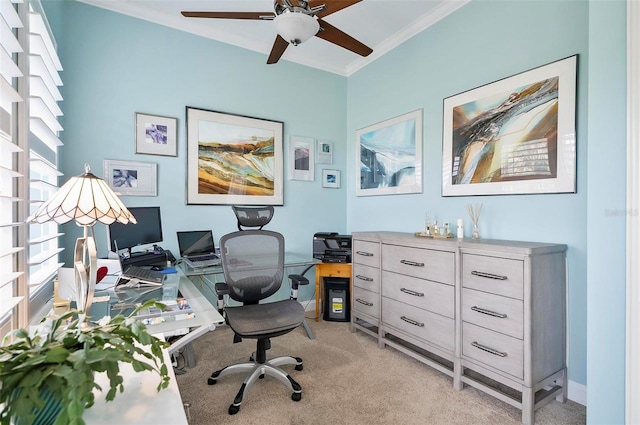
(157, 268)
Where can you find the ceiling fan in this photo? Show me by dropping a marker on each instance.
(296, 21)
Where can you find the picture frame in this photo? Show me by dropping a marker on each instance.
(389, 156)
(331, 178)
(233, 159)
(131, 178)
(513, 136)
(301, 158)
(324, 152)
(156, 135)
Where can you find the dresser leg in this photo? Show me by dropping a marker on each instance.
(563, 381)
(457, 375)
(528, 405)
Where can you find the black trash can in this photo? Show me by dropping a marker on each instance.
(337, 302)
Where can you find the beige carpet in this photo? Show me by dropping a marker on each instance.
(346, 380)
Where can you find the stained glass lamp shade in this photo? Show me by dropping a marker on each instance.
(86, 199)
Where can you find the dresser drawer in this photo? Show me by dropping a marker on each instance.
(494, 349)
(425, 294)
(366, 302)
(366, 277)
(430, 327)
(429, 264)
(365, 252)
(495, 312)
(500, 276)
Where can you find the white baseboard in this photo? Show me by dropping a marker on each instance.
(577, 392)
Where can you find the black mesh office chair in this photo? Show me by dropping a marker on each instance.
(253, 264)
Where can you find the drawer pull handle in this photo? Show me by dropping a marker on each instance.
(364, 253)
(410, 292)
(412, 263)
(366, 279)
(364, 302)
(489, 275)
(489, 350)
(489, 312)
(411, 321)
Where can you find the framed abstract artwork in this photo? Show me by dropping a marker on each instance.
(389, 156)
(131, 178)
(233, 159)
(513, 136)
(331, 179)
(301, 162)
(324, 153)
(156, 135)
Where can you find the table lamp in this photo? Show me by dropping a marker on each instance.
(86, 199)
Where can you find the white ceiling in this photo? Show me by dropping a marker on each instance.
(380, 24)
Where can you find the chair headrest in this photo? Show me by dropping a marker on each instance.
(252, 216)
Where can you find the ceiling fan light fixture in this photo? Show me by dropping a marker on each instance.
(296, 27)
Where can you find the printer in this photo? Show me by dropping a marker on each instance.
(330, 247)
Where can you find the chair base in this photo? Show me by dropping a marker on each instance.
(256, 371)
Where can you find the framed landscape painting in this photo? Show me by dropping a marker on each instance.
(389, 156)
(233, 159)
(513, 136)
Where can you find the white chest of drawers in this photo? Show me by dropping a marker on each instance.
(489, 313)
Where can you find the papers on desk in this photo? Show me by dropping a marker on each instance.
(178, 309)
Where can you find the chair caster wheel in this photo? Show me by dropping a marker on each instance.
(296, 396)
(299, 367)
(233, 409)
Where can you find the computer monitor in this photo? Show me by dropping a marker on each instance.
(147, 231)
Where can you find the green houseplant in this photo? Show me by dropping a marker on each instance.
(59, 361)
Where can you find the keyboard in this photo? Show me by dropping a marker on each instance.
(203, 257)
(143, 275)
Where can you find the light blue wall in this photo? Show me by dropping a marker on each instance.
(480, 43)
(116, 66)
(606, 209)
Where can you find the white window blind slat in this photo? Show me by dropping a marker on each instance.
(9, 40)
(37, 47)
(44, 133)
(6, 305)
(38, 88)
(9, 14)
(8, 278)
(8, 68)
(38, 109)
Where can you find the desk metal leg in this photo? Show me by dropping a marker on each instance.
(308, 329)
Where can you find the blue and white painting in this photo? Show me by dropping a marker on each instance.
(390, 156)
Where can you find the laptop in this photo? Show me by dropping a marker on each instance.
(197, 248)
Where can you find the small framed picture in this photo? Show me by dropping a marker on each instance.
(131, 178)
(301, 158)
(156, 135)
(324, 154)
(331, 178)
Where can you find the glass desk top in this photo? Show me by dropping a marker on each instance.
(290, 260)
(200, 311)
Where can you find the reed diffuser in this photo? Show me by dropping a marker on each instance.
(474, 211)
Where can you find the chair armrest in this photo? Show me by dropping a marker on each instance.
(222, 289)
(297, 280)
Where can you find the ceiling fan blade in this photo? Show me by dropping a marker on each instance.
(334, 35)
(230, 15)
(279, 46)
(332, 6)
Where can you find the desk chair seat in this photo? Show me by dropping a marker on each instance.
(253, 265)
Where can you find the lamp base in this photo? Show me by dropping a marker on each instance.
(85, 264)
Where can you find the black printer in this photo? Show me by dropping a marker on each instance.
(331, 247)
